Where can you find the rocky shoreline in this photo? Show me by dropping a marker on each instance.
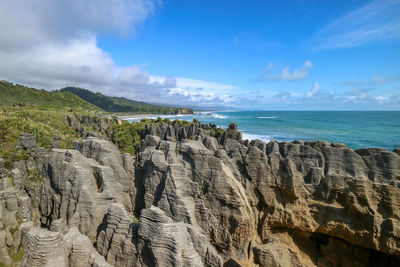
(193, 198)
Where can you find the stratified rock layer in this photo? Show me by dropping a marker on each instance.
(203, 199)
(282, 204)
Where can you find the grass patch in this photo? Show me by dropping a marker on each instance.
(16, 256)
(216, 132)
(35, 176)
(42, 121)
(12, 181)
(127, 135)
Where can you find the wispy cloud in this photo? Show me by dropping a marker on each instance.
(356, 98)
(377, 21)
(313, 91)
(285, 75)
(377, 79)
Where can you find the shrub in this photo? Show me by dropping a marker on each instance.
(233, 126)
(14, 229)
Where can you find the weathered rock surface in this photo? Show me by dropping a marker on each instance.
(44, 248)
(155, 241)
(70, 192)
(26, 141)
(80, 250)
(259, 203)
(203, 199)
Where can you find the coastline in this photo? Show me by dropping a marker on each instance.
(195, 112)
(124, 117)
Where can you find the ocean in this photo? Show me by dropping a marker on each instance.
(356, 129)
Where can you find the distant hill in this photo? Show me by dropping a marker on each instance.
(123, 105)
(18, 94)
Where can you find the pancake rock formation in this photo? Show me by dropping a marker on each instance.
(193, 198)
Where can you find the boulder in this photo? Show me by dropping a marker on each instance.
(26, 141)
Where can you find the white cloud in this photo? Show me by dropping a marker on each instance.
(286, 74)
(376, 21)
(379, 79)
(196, 84)
(52, 44)
(313, 91)
(376, 79)
(28, 22)
(381, 99)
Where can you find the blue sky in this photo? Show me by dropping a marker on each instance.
(285, 55)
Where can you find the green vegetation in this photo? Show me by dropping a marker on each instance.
(43, 121)
(123, 105)
(216, 132)
(19, 95)
(233, 125)
(127, 135)
(16, 256)
(34, 175)
(181, 122)
(13, 155)
(14, 229)
(12, 181)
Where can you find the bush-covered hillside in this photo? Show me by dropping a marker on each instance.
(12, 94)
(123, 105)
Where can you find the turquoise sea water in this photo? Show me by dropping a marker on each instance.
(356, 129)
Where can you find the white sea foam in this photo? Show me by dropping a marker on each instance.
(248, 136)
(172, 117)
(219, 116)
(273, 117)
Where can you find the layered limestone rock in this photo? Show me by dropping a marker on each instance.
(116, 169)
(80, 250)
(155, 241)
(285, 204)
(15, 209)
(77, 190)
(48, 248)
(70, 192)
(203, 199)
(44, 248)
(192, 185)
(115, 240)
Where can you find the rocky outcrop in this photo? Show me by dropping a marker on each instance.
(155, 241)
(79, 189)
(81, 251)
(44, 248)
(63, 190)
(48, 248)
(184, 111)
(26, 141)
(203, 199)
(260, 203)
